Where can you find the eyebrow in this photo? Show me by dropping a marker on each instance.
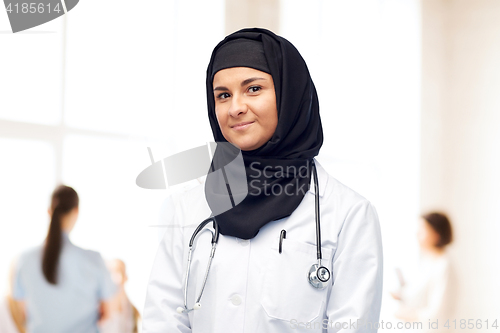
(244, 83)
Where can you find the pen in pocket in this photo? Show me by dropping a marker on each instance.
(282, 236)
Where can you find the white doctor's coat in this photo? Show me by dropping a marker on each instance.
(253, 288)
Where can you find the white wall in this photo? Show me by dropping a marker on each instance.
(364, 57)
(252, 13)
(461, 141)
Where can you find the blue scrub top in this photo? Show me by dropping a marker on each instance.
(72, 305)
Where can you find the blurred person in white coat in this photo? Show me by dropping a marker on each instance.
(430, 294)
(265, 275)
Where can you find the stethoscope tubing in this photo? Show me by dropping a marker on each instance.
(317, 212)
(215, 239)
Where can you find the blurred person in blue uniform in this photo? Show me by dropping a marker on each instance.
(63, 288)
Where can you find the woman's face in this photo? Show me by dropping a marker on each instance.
(245, 106)
(426, 236)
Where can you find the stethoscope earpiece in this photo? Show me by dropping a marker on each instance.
(181, 309)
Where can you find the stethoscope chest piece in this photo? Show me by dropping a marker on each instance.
(318, 276)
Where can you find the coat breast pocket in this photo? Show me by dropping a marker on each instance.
(287, 293)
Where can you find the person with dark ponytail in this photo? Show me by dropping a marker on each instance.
(64, 204)
(63, 288)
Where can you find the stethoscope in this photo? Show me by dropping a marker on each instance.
(318, 275)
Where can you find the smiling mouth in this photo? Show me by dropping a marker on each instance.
(242, 126)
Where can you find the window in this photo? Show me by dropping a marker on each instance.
(82, 99)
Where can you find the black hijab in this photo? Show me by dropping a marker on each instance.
(287, 155)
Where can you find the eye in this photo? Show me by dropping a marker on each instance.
(254, 89)
(223, 95)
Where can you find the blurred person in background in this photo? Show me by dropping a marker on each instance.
(11, 313)
(123, 316)
(62, 287)
(429, 294)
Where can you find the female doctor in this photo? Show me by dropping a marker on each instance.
(268, 273)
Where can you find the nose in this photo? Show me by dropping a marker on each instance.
(238, 106)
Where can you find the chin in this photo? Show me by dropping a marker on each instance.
(248, 147)
(244, 145)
